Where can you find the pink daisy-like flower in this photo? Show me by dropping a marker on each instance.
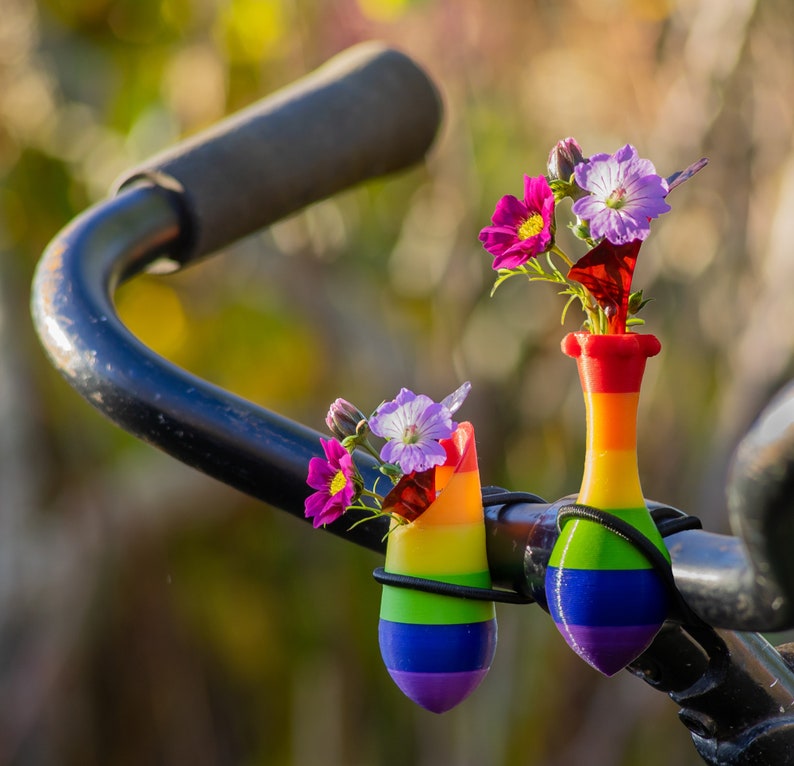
(334, 480)
(625, 193)
(521, 229)
(413, 424)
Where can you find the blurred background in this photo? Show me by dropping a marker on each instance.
(149, 615)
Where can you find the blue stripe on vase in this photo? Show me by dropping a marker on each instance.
(606, 597)
(437, 648)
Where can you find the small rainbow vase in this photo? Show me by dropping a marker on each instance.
(438, 648)
(603, 594)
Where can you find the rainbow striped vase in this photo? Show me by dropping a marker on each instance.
(605, 598)
(438, 648)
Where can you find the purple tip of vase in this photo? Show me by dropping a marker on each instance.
(438, 692)
(609, 649)
(437, 666)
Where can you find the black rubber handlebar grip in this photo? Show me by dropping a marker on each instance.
(367, 112)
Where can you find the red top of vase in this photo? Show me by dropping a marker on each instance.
(610, 363)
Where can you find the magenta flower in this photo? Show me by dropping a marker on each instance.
(625, 193)
(521, 229)
(335, 481)
(413, 425)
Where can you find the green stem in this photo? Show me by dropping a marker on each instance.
(369, 448)
(375, 514)
(374, 495)
(556, 250)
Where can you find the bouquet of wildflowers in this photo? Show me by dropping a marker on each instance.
(412, 426)
(615, 197)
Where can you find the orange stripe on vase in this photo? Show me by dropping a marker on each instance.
(614, 420)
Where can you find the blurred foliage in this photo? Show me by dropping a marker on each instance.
(150, 616)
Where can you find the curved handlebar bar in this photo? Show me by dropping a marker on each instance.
(370, 112)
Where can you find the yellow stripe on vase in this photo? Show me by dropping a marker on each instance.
(437, 550)
(617, 484)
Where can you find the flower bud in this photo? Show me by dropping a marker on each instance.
(581, 229)
(637, 302)
(563, 158)
(345, 419)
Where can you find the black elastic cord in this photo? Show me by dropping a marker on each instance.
(440, 588)
(667, 520)
(490, 496)
(641, 543)
(498, 496)
(623, 530)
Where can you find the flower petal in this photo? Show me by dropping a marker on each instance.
(509, 211)
(412, 495)
(606, 271)
(456, 398)
(320, 473)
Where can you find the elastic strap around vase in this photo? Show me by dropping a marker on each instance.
(667, 520)
(665, 523)
(440, 588)
(491, 496)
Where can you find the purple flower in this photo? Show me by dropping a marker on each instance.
(335, 481)
(625, 193)
(413, 425)
(521, 229)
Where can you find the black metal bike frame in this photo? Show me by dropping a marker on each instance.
(735, 691)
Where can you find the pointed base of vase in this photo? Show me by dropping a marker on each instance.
(438, 692)
(609, 649)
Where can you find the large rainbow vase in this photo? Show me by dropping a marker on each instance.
(438, 648)
(603, 594)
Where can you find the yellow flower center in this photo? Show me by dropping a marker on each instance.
(338, 483)
(532, 226)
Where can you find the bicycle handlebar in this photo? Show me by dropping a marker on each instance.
(311, 139)
(365, 113)
(213, 194)
(760, 492)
